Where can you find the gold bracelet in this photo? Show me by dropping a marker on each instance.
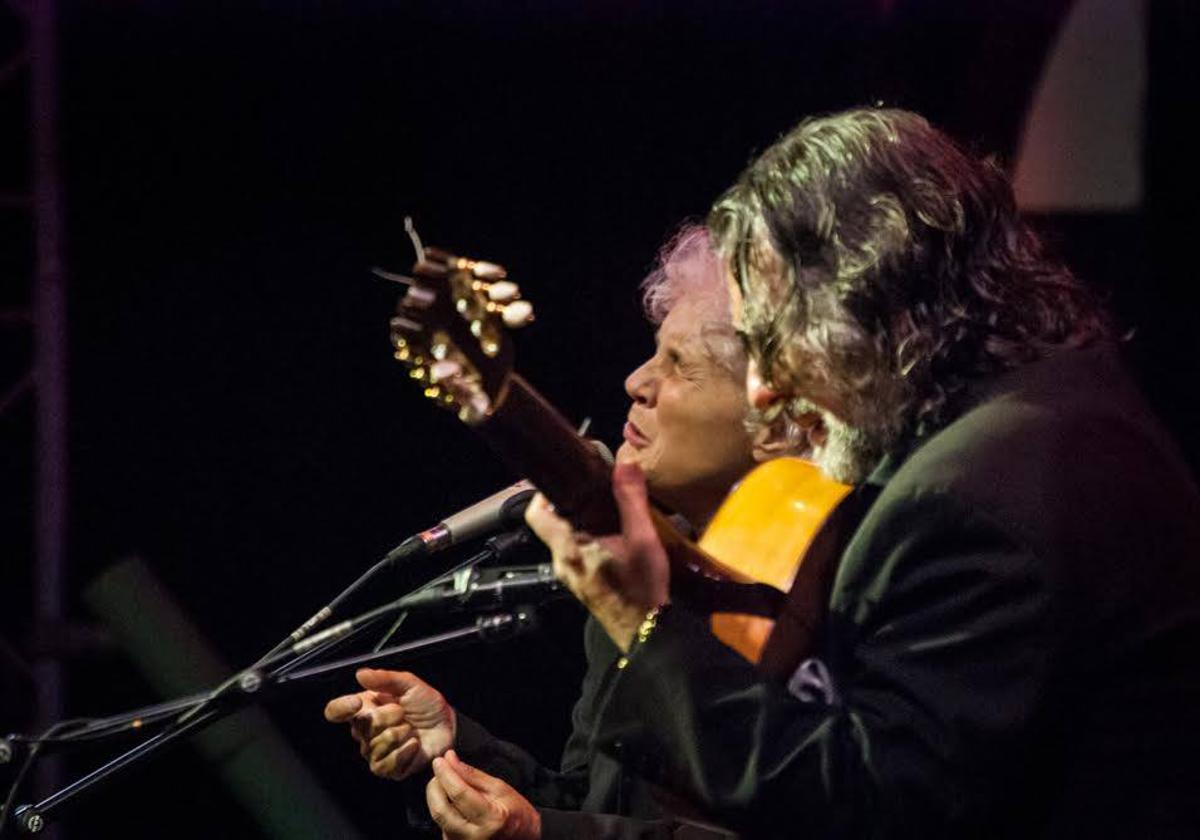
(643, 633)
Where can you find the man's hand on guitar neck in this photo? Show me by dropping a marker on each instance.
(400, 722)
(618, 577)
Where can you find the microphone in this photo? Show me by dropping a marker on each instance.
(469, 589)
(499, 511)
(476, 588)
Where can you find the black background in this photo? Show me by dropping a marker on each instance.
(232, 170)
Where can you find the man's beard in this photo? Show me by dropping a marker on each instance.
(844, 452)
(849, 454)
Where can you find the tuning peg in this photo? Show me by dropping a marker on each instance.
(399, 322)
(433, 270)
(517, 314)
(503, 291)
(488, 271)
(418, 297)
(440, 371)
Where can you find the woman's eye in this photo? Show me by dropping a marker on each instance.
(686, 368)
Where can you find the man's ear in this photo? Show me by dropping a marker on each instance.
(784, 436)
(773, 441)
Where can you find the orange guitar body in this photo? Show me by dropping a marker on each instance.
(761, 533)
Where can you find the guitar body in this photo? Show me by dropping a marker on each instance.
(761, 534)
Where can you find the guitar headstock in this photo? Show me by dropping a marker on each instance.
(451, 331)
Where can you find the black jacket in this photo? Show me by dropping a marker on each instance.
(1014, 641)
(591, 795)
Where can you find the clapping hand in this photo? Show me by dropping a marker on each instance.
(400, 722)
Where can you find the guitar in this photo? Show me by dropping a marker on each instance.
(451, 332)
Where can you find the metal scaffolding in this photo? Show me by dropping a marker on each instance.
(34, 64)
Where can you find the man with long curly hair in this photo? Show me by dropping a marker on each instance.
(1011, 646)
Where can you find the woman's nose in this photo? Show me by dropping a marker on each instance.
(639, 385)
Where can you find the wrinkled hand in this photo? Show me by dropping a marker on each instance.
(468, 804)
(400, 722)
(619, 577)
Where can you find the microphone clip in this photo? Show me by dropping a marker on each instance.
(477, 589)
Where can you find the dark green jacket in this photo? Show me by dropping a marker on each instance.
(1014, 642)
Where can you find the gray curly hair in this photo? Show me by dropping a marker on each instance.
(879, 259)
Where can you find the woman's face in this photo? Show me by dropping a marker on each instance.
(686, 425)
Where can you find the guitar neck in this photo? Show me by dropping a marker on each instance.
(537, 442)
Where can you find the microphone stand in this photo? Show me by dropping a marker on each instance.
(494, 548)
(95, 729)
(202, 709)
(251, 687)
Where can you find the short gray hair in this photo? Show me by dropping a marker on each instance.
(686, 266)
